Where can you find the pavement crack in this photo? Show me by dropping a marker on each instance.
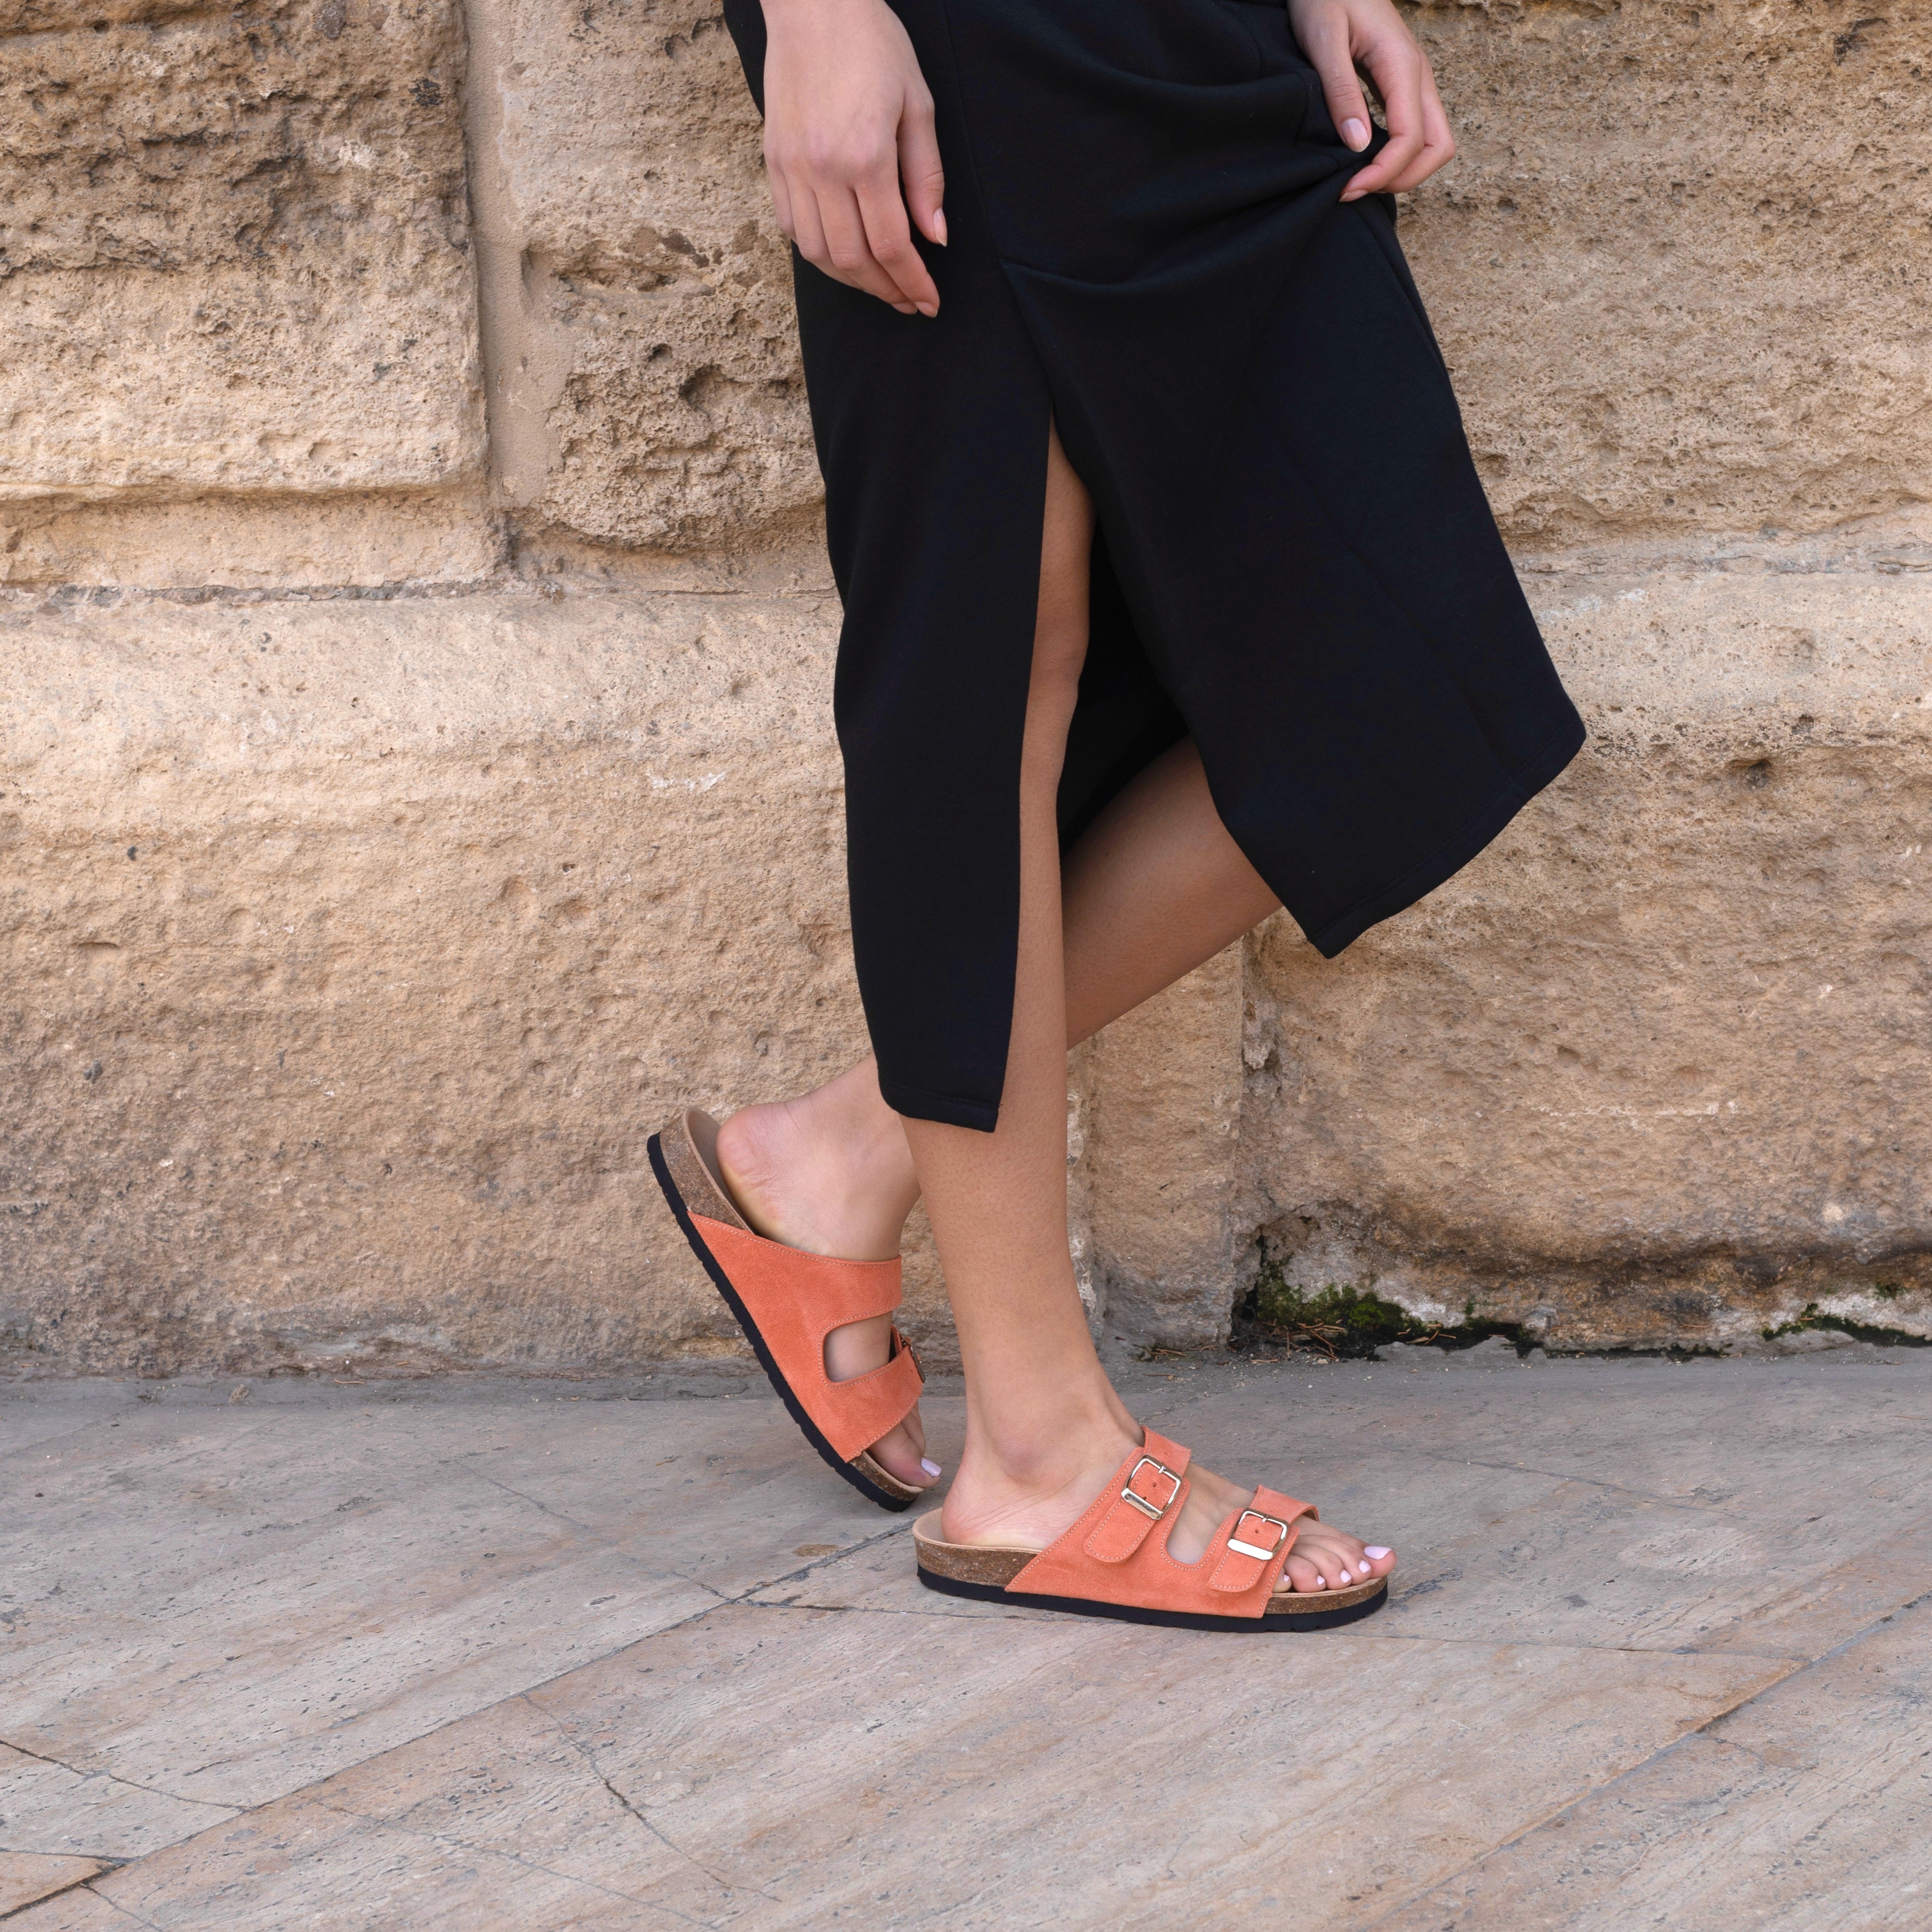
(1589, 1482)
(113, 1905)
(114, 1777)
(509, 1857)
(543, 1508)
(865, 1543)
(1710, 1730)
(657, 1832)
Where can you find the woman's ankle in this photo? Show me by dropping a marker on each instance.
(829, 1172)
(1028, 1477)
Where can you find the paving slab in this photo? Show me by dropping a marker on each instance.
(227, 1602)
(1654, 1659)
(26, 1878)
(1802, 1811)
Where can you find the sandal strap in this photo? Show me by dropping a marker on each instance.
(1254, 1543)
(1138, 1495)
(817, 1292)
(796, 1299)
(1110, 1555)
(853, 1415)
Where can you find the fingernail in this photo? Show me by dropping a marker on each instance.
(1355, 133)
(930, 1469)
(939, 225)
(1374, 1552)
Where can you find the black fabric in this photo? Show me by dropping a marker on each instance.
(1297, 565)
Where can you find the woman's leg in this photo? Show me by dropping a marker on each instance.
(1156, 887)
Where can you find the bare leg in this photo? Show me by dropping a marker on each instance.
(1156, 887)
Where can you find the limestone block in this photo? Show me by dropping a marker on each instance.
(637, 292)
(278, 542)
(1678, 265)
(236, 249)
(1654, 1067)
(352, 950)
(1163, 1126)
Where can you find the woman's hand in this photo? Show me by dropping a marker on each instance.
(848, 118)
(1339, 35)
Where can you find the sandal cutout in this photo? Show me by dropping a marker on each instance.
(787, 1302)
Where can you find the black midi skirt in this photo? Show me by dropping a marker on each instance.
(1295, 563)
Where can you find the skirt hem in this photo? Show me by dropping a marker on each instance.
(946, 1108)
(1450, 857)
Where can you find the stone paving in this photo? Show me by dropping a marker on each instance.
(540, 1655)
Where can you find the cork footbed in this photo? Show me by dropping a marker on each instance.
(683, 1157)
(973, 1569)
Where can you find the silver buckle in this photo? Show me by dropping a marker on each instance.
(1254, 1550)
(1140, 1503)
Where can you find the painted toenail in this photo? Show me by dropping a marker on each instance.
(1321, 1583)
(1375, 1552)
(930, 1469)
(1345, 1576)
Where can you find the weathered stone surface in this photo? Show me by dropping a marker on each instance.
(1654, 1067)
(1679, 266)
(638, 293)
(26, 1877)
(1677, 270)
(492, 1652)
(268, 542)
(1163, 1122)
(236, 250)
(353, 950)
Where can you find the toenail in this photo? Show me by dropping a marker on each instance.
(1345, 1576)
(1321, 1583)
(1375, 1552)
(930, 1469)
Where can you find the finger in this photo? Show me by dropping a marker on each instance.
(889, 236)
(849, 252)
(781, 199)
(1327, 49)
(1438, 144)
(1397, 69)
(807, 231)
(920, 170)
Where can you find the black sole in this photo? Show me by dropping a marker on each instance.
(721, 1281)
(1129, 1613)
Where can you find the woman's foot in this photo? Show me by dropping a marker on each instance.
(1031, 1505)
(829, 1173)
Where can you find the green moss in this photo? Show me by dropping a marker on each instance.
(1349, 1322)
(1859, 1331)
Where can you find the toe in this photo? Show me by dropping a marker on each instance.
(899, 1455)
(1304, 1574)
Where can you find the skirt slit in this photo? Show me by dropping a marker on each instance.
(1293, 561)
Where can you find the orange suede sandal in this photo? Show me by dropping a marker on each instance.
(1111, 1564)
(788, 1301)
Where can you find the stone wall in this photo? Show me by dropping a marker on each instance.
(417, 774)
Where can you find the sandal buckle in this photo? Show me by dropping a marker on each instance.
(1255, 1550)
(1129, 1494)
